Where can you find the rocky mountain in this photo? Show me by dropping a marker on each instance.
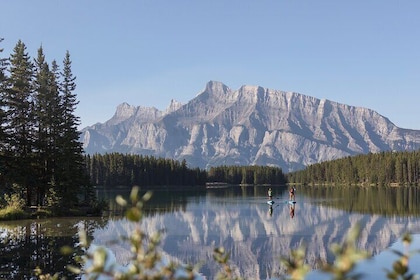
(249, 126)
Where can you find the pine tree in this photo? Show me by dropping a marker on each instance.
(40, 113)
(3, 81)
(47, 114)
(19, 124)
(72, 174)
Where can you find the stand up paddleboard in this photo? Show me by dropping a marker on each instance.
(271, 202)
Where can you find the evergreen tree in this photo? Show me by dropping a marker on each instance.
(72, 174)
(41, 146)
(47, 113)
(3, 85)
(39, 139)
(3, 80)
(19, 124)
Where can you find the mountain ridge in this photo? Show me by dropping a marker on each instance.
(251, 125)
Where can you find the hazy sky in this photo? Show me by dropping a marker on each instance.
(359, 52)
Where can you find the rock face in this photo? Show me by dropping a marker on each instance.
(249, 126)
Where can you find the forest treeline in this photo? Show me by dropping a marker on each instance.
(384, 168)
(116, 169)
(41, 157)
(247, 175)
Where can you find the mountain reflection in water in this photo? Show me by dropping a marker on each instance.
(256, 235)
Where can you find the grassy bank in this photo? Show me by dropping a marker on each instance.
(11, 213)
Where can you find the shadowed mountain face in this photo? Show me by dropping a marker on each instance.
(251, 125)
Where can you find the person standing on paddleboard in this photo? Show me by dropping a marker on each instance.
(270, 194)
(292, 193)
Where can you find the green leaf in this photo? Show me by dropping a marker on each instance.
(66, 250)
(121, 201)
(133, 214)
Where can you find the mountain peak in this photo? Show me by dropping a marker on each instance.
(123, 112)
(216, 86)
(173, 106)
(216, 89)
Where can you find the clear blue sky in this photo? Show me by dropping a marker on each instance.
(361, 53)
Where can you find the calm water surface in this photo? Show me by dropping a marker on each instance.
(240, 220)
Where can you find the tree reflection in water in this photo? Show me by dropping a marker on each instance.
(26, 245)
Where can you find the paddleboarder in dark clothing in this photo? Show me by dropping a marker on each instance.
(292, 194)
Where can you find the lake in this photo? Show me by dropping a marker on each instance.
(238, 219)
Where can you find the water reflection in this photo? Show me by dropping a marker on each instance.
(237, 219)
(401, 201)
(241, 220)
(26, 245)
(292, 210)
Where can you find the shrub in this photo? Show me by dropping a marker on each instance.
(13, 207)
(14, 201)
(11, 213)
